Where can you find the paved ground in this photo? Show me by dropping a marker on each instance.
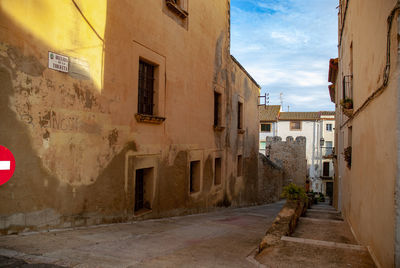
(219, 239)
(321, 239)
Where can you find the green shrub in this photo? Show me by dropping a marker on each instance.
(294, 192)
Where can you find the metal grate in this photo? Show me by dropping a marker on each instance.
(146, 88)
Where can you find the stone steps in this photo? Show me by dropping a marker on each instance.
(321, 239)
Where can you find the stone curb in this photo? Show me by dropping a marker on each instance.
(284, 224)
(323, 243)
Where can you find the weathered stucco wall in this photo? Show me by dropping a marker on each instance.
(366, 190)
(75, 138)
(290, 155)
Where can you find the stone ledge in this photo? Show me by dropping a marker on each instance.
(151, 119)
(329, 244)
(284, 224)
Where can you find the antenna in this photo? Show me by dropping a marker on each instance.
(266, 99)
(288, 108)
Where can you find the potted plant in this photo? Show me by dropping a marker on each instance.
(347, 105)
(293, 192)
(347, 156)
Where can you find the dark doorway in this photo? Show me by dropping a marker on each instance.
(325, 169)
(144, 189)
(139, 190)
(329, 189)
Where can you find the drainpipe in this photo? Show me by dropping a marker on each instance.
(397, 190)
(313, 157)
(320, 149)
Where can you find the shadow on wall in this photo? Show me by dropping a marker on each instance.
(71, 136)
(271, 178)
(69, 149)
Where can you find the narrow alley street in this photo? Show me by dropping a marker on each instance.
(218, 239)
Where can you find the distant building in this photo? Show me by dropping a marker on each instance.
(316, 127)
(268, 115)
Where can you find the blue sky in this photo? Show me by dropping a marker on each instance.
(286, 46)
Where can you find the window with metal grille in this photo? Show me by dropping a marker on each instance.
(217, 109)
(146, 88)
(240, 115)
(266, 127)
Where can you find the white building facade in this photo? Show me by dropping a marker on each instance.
(317, 128)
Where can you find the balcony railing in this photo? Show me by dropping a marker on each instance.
(347, 87)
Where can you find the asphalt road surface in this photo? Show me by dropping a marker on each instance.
(219, 239)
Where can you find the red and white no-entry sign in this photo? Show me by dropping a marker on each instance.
(7, 164)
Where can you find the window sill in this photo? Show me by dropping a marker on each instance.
(241, 131)
(151, 119)
(176, 9)
(218, 128)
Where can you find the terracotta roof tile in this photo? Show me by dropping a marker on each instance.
(327, 112)
(299, 116)
(268, 112)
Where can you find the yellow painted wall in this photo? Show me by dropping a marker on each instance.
(75, 137)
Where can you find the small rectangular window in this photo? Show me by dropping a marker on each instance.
(240, 115)
(328, 127)
(265, 127)
(146, 88)
(295, 125)
(239, 166)
(217, 109)
(217, 171)
(194, 176)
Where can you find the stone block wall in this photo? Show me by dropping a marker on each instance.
(290, 155)
(271, 178)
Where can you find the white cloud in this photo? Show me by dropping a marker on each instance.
(286, 46)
